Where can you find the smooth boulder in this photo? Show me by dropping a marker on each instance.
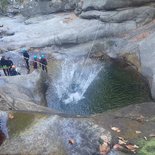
(112, 4)
(140, 15)
(24, 87)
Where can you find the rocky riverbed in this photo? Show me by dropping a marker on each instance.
(102, 28)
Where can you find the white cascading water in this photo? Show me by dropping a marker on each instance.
(74, 78)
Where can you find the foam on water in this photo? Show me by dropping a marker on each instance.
(74, 79)
(74, 97)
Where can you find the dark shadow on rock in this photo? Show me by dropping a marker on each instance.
(2, 137)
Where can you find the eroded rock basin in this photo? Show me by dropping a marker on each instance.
(81, 86)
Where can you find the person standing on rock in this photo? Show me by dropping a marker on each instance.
(4, 65)
(43, 63)
(26, 58)
(35, 62)
(9, 65)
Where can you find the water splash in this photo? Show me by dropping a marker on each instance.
(87, 87)
(74, 79)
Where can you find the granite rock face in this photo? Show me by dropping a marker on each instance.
(36, 133)
(24, 87)
(147, 60)
(58, 30)
(112, 4)
(51, 135)
(140, 15)
(30, 8)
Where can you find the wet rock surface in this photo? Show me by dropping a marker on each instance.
(23, 87)
(24, 92)
(130, 120)
(51, 135)
(7, 103)
(31, 8)
(48, 134)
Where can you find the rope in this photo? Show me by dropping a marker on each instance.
(91, 47)
(92, 43)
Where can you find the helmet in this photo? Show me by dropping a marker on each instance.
(13, 66)
(42, 56)
(35, 57)
(24, 50)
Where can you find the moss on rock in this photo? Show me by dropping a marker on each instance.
(148, 147)
(3, 5)
(21, 121)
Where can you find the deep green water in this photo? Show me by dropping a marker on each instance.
(114, 87)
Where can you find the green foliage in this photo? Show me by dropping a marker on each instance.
(3, 5)
(20, 122)
(147, 147)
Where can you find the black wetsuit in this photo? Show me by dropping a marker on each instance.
(4, 64)
(13, 72)
(26, 58)
(9, 64)
(35, 65)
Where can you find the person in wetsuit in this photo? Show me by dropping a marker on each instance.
(26, 58)
(35, 62)
(13, 71)
(4, 65)
(9, 65)
(43, 63)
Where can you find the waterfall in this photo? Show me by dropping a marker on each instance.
(74, 78)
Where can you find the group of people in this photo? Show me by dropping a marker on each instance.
(8, 67)
(40, 62)
(37, 61)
